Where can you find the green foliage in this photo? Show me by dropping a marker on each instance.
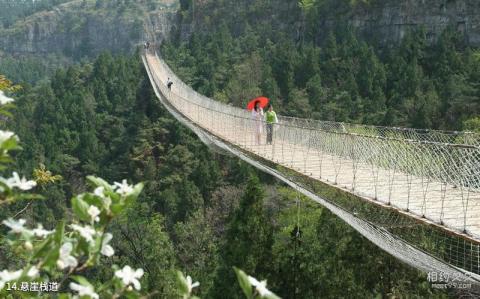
(336, 76)
(252, 288)
(102, 118)
(146, 241)
(298, 104)
(44, 177)
(472, 124)
(185, 286)
(196, 248)
(7, 85)
(47, 254)
(247, 243)
(339, 78)
(11, 10)
(77, 245)
(306, 4)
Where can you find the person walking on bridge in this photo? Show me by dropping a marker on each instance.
(257, 115)
(270, 119)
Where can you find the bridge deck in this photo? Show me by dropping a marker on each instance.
(456, 208)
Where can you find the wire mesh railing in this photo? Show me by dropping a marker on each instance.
(434, 175)
(422, 135)
(412, 178)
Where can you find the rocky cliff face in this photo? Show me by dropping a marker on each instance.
(384, 21)
(76, 29)
(389, 20)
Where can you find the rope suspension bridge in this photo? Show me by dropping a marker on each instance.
(414, 193)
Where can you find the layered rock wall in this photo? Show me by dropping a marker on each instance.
(74, 30)
(390, 20)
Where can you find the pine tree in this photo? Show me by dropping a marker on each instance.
(247, 244)
(196, 248)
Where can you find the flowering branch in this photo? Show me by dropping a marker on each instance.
(73, 247)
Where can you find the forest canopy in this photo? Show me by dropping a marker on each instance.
(204, 213)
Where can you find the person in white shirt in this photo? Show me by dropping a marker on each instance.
(257, 115)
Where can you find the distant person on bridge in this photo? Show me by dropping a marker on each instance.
(270, 119)
(257, 115)
(169, 84)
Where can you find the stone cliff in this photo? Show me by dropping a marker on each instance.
(79, 28)
(389, 20)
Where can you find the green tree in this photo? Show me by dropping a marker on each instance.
(298, 104)
(196, 249)
(247, 243)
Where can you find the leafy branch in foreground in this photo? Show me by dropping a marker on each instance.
(54, 260)
(252, 288)
(186, 286)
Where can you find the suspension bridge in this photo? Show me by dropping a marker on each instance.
(414, 193)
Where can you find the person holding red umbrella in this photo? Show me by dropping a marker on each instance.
(257, 115)
(262, 101)
(256, 105)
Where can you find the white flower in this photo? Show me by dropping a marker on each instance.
(40, 232)
(107, 201)
(4, 99)
(128, 276)
(107, 250)
(28, 245)
(84, 290)
(66, 260)
(5, 135)
(21, 183)
(260, 286)
(6, 276)
(99, 191)
(87, 232)
(124, 188)
(93, 211)
(191, 285)
(16, 226)
(33, 272)
(9, 182)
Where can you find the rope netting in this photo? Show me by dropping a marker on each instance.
(417, 187)
(426, 135)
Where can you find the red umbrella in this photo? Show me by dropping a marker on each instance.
(262, 100)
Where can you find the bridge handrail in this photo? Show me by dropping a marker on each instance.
(455, 164)
(287, 121)
(296, 122)
(434, 182)
(421, 133)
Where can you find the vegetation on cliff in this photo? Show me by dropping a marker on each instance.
(204, 213)
(199, 212)
(416, 84)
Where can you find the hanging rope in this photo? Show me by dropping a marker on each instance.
(296, 243)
